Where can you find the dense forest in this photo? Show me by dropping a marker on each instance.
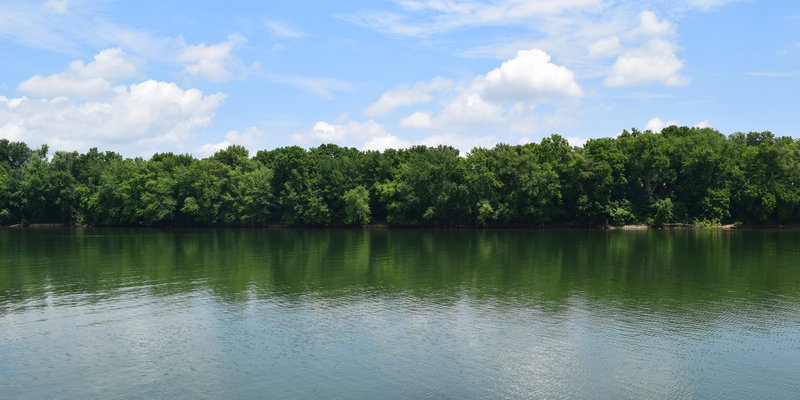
(680, 175)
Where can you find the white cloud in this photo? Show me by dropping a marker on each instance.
(429, 17)
(57, 6)
(384, 142)
(92, 81)
(470, 108)
(368, 135)
(582, 35)
(437, 16)
(214, 62)
(505, 96)
(652, 61)
(251, 138)
(42, 26)
(352, 133)
(325, 132)
(71, 26)
(417, 120)
(404, 95)
(529, 121)
(165, 50)
(656, 62)
(657, 124)
(142, 117)
(649, 25)
(83, 107)
(529, 75)
(209, 149)
(461, 142)
(703, 124)
(576, 141)
(606, 47)
(282, 29)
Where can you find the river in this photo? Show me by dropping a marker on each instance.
(370, 314)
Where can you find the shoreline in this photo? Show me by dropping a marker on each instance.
(386, 226)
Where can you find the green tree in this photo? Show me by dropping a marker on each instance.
(356, 206)
(662, 212)
(429, 188)
(5, 212)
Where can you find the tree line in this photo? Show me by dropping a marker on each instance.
(680, 175)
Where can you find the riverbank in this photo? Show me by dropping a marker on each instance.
(381, 226)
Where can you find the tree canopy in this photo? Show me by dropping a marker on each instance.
(680, 175)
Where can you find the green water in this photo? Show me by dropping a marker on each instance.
(236, 314)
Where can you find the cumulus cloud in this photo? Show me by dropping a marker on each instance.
(368, 135)
(85, 106)
(384, 142)
(214, 62)
(576, 141)
(581, 34)
(703, 124)
(616, 43)
(461, 142)
(92, 81)
(506, 95)
(503, 93)
(251, 138)
(656, 62)
(657, 124)
(209, 149)
(529, 75)
(148, 115)
(405, 95)
(470, 108)
(652, 61)
(606, 47)
(417, 120)
(649, 25)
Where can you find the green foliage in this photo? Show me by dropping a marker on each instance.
(517, 183)
(715, 205)
(681, 175)
(663, 210)
(619, 213)
(485, 212)
(356, 206)
(429, 188)
(5, 213)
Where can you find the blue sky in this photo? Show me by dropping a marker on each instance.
(194, 76)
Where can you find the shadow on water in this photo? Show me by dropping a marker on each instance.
(665, 270)
(238, 313)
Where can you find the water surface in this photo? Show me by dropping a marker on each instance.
(236, 313)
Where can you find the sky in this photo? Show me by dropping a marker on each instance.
(196, 76)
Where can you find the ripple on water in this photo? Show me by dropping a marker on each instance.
(416, 314)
